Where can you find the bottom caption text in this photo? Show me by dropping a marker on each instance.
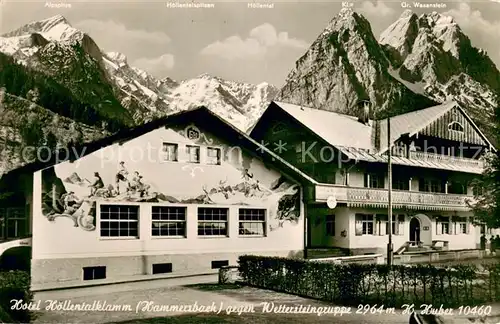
(239, 309)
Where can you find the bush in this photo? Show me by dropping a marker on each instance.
(15, 285)
(355, 284)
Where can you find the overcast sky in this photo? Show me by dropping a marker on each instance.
(230, 40)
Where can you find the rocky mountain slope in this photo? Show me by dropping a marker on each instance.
(432, 55)
(70, 56)
(25, 124)
(346, 64)
(73, 78)
(418, 61)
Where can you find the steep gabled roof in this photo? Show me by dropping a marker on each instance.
(202, 116)
(413, 122)
(341, 130)
(410, 123)
(357, 141)
(336, 129)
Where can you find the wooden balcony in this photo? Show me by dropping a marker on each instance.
(379, 198)
(433, 157)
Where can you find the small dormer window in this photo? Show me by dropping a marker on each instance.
(279, 127)
(455, 126)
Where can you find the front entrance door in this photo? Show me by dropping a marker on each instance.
(415, 230)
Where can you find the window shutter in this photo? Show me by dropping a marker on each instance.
(366, 184)
(401, 223)
(439, 228)
(359, 225)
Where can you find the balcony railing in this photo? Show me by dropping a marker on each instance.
(433, 157)
(369, 197)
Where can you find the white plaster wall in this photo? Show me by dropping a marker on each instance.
(458, 241)
(60, 239)
(373, 241)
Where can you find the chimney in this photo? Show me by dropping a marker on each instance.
(364, 110)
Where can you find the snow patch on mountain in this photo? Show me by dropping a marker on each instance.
(431, 53)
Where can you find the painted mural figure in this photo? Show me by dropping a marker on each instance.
(96, 185)
(246, 175)
(137, 185)
(121, 176)
(71, 203)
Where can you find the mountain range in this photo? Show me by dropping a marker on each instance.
(59, 87)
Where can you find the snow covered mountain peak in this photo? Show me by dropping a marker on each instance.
(427, 30)
(346, 19)
(406, 14)
(205, 76)
(346, 13)
(117, 57)
(432, 53)
(56, 28)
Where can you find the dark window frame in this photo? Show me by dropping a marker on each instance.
(213, 220)
(168, 215)
(112, 216)
(167, 153)
(259, 218)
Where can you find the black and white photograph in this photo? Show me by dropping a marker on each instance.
(220, 161)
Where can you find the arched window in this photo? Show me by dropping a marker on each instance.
(279, 127)
(455, 126)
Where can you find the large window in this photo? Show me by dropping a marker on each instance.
(382, 227)
(168, 221)
(252, 222)
(213, 155)
(374, 180)
(119, 221)
(461, 226)
(442, 225)
(364, 224)
(431, 185)
(193, 153)
(330, 225)
(477, 191)
(212, 221)
(16, 222)
(456, 187)
(400, 183)
(170, 151)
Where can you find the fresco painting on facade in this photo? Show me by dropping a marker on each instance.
(72, 189)
(58, 201)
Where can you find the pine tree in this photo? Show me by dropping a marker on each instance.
(32, 133)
